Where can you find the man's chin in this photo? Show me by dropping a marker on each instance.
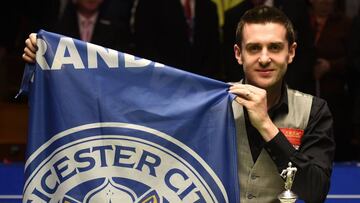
(264, 83)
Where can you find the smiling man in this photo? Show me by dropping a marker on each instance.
(277, 125)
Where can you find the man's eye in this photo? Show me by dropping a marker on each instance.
(275, 47)
(254, 48)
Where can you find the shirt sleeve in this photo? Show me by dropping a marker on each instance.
(314, 158)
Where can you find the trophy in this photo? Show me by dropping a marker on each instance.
(288, 174)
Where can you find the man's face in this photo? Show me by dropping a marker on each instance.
(264, 54)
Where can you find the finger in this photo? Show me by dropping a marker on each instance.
(247, 87)
(27, 58)
(237, 86)
(242, 101)
(254, 89)
(29, 53)
(233, 83)
(29, 45)
(241, 92)
(32, 38)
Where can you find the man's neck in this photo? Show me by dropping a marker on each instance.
(87, 14)
(92, 17)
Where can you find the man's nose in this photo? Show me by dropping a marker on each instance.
(264, 58)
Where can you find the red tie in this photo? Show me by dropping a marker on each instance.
(188, 15)
(187, 10)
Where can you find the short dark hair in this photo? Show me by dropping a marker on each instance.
(262, 15)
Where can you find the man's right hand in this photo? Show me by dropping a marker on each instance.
(254, 99)
(30, 49)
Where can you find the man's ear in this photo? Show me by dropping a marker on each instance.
(292, 49)
(237, 52)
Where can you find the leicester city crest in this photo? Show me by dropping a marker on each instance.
(119, 162)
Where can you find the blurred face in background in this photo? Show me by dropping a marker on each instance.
(88, 7)
(258, 2)
(322, 7)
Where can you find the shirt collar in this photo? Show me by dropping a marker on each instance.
(92, 19)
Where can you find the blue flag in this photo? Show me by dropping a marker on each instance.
(106, 126)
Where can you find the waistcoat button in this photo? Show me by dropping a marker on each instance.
(250, 196)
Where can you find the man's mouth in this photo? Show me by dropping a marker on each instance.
(265, 72)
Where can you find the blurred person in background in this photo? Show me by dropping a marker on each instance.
(354, 84)
(179, 33)
(102, 22)
(331, 28)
